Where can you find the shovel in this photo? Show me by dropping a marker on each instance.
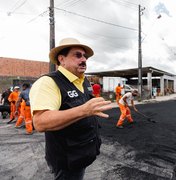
(147, 117)
(10, 121)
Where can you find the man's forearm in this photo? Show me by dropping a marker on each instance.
(58, 119)
(55, 120)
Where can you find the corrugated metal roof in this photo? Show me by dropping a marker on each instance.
(128, 73)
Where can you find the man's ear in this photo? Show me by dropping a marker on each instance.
(60, 58)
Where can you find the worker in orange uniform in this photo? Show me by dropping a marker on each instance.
(124, 104)
(13, 97)
(118, 91)
(21, 116)
(96, 90)
(24, 95)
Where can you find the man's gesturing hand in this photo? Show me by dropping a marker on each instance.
(96, 106)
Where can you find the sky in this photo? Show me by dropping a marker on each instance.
(110, 28)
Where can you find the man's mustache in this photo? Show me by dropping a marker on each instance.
(82, 64)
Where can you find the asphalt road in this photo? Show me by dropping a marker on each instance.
(143, 151)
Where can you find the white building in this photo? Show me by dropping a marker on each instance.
(151, 77)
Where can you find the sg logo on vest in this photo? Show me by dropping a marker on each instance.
(72, 94)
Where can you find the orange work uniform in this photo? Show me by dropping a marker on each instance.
(22, 114)
(118, 90)
(24, 95)
(125, 110)
(125, 113)
(13, 97)
(28, 119)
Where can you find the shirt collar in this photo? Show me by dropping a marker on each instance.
(70, 76)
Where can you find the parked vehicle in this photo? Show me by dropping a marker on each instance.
(128, 88)
(110, 83)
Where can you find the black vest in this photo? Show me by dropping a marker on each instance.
(77, 145)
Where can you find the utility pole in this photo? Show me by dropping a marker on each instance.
(140, 55)
(52, 66)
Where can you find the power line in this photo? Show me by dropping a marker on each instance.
(92, 35)
(78, 2)
(73, 3)
(97, 20)
(102, 35)
(65, 3)
(127, 4)
(40, 15)
(130, 3)
(18, 13)
(69, 3)
(22, 3)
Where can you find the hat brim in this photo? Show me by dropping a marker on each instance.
(55, 51)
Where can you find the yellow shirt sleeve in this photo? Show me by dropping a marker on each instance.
(45, 94)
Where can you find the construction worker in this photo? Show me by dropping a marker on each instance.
(24, 95)
(96, 90)
(118, 91)
(13, 97)
(124, 104)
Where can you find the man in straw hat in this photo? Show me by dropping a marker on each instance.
(63, 107)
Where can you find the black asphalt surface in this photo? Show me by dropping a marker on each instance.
(151, 146)
(142, 151)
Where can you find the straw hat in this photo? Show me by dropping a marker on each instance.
(68, 42)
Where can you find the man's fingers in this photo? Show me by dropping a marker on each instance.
(100, 102)
(96, 106)
(99, 111)
(105, 107)
(101, 114)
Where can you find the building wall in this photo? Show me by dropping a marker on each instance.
(22, 68)
(19, 69)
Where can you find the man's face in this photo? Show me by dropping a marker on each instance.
(75, 61)
(23, 87)
(134, 93)
(16, 89)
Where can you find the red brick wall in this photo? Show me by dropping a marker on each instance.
(22, 68)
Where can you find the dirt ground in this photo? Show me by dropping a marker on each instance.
(143, 151)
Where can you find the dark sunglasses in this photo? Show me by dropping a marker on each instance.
(80, 55)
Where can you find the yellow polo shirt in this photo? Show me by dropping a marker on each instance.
(45, 94)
